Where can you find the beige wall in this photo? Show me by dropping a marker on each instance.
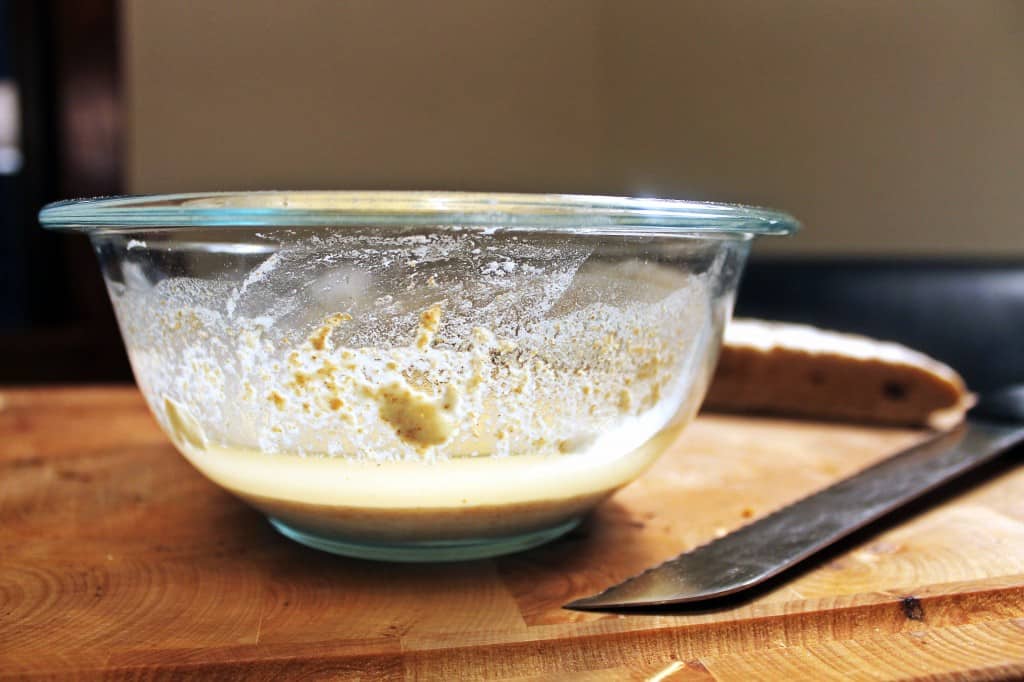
(888, 126)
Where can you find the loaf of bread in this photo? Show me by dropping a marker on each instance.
(797, 370)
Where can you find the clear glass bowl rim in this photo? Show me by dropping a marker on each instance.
(570, 213)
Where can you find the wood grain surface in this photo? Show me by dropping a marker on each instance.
(118, 560)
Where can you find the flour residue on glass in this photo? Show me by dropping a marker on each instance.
(420, 348)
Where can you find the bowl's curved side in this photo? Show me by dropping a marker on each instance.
(420, 388)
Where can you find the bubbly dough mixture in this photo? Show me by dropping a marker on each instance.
(506, 418)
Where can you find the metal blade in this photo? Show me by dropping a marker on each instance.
(768, 546)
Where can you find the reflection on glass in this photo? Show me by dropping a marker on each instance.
(10, 150)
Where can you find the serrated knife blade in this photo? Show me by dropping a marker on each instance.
(770, 545)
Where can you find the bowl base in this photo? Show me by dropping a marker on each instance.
(428, 551)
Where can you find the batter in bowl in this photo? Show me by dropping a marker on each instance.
(456, 436)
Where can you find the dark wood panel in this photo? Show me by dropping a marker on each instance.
(66, 57)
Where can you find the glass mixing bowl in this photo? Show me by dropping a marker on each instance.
(420, 376)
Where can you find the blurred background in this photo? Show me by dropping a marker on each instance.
(893, 130)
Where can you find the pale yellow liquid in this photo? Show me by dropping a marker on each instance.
(458, 498)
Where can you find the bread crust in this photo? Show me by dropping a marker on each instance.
(798, 370)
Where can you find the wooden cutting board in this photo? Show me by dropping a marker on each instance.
(118, 559)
